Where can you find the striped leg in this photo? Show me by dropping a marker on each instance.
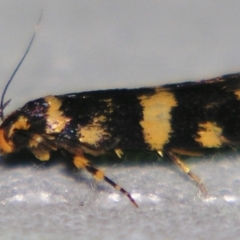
(187, 170)
(82, 162)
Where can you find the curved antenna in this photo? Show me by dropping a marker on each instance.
(2, 104)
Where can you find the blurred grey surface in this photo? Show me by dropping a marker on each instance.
(90, 45)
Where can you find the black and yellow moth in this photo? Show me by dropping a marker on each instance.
(183, 119)
(178, 119)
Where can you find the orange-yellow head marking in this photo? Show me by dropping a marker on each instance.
(6, 143)
(5, 146)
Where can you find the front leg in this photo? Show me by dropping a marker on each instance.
(81, 162)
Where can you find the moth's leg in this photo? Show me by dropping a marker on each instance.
(160, 153)
(187, 170)
(81, 162)
(118, 152)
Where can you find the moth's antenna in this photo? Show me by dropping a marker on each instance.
(2, 104)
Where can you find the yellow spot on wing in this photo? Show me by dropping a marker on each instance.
(209, 135)
(55, 119)
(94, 132)
(156, 117)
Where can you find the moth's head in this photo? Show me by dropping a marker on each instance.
(12, 135)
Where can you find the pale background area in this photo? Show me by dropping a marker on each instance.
(90, 45)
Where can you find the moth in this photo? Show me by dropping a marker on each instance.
(173, 120)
